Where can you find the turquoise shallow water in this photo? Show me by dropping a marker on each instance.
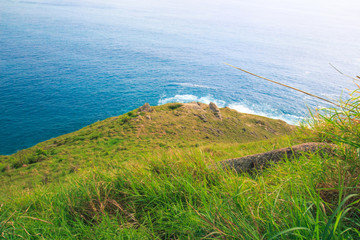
(67, 64)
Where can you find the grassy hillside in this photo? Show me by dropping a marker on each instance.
(145, 175)
(131, 138)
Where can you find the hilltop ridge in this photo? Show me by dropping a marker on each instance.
(131, 136)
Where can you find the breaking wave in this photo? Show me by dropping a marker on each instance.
(238, 106)
(191, 98)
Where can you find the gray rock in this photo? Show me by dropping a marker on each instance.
(202, 117)
(263, 160)
(193, 105)
(145, 108)
(215, 110)
(213, 107)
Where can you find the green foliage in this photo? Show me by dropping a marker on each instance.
(3, 167)
(341, 124)
(176, 195)
(149, 178)
(174, 106)
(125, 120)
(95, 135)
(114, 141)
(132, 114)
(25, 157)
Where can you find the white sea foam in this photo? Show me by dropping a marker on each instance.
(241, 108)
(238, 106)
(290, 119)
(191, 98)
(270, 113)
(191, 85)
(178, 98)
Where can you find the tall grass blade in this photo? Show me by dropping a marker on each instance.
(287, 231)
(343, 73)
(326, 230)
(296, 89)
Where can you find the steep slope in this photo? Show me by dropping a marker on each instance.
(132, 137)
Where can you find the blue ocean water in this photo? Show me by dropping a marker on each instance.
(67, 64)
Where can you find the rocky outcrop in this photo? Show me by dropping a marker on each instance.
(194, 105)
(215, 110)
(263, 160)
(145, 108)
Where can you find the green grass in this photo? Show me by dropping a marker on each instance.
(150, 179)
(129, 138)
